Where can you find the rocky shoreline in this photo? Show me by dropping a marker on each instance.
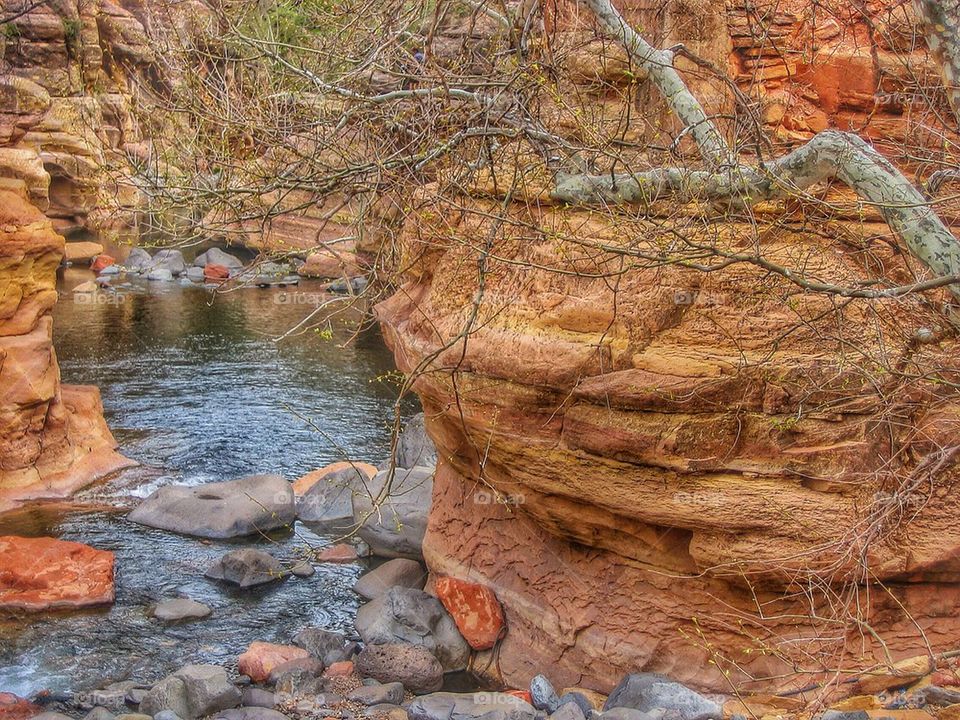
(414, 637)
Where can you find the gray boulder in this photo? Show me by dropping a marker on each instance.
(160, 275)
(570, 711)
(330, 501)
(397, 527)
(180, 609)
(399, 572)
(99, 713)
(216, 256)
(543, 695)
(50, 715)
(414, 446)
(386, 694)
(624, 713)
(192, 692)
(412, 665)
(412, 616)
(250, 713)
(195, 274)
(468, 706)
(138, 261)
(324, 645)
(170, 260)
(246, 567)
(647, 692)
(256, 697)
(246, 506)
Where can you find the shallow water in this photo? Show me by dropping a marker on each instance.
(196, 389)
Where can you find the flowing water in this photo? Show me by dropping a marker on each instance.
(196, 389)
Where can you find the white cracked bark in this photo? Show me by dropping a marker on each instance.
(828, 156)
(942, 21)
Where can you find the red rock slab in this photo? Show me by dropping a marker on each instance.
(102, 261)
(341, 553)
(39, 574)
(15, 708)
(474, 608)
(216, 273)
(344, 668)
(261, 658)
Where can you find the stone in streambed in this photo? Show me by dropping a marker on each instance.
(339, 553)
(397, 527)
(102, 262)
(464, 706)
(246, 568)
(304, 483)
(542, 695)
(255, 697)
(413, 616)
(570, 711)
(399, 572)
(99, 713)
(412, 665)
(327, 646)
(234, 508)
(250, 713)
(160, 275)
(308, 666)
(391, 712)
(13, 707)
(192, 692)
(195, 274)
(648, 692)
(303, 569)
(625, 713)
(213, 273)
(138, 261)
(38, 574)
(260, 659)
(327, 499)
(388, 694)
(474, 608)
(216, 256)
(578, 699)
(168, 260)
(180, 609)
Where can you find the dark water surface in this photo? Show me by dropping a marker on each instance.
(196, 389)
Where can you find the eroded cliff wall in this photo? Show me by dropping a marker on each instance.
(720, 476)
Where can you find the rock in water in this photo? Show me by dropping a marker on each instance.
(329, 500)
(412, 616)
(397, 527)
(216, 256)
(414, 446)
(220, 510)
(262, 658)
(180, 609)
(250, 713)
(195, 274)
(467, 706)
(192, 692)
(169, 260)
(47, 574)
(138, 261)
(246, 567)
(399, 572)
(412, 665)
(648, 692)
(160, 275)
(474, 608)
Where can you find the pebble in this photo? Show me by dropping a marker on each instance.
(543, 695)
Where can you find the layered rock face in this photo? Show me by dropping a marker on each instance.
(53, 438)
(718, 476)
(69, 75)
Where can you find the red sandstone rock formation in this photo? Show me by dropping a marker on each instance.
(53, 438)
(47, 574)
(660, 469)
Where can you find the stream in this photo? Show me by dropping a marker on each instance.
(196, 389)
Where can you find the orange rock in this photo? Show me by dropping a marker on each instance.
(522, 694)
(474, 608)
(344, 668)
(15, 708)
(951, 712)
(857, 702)
(340, 553)
(305, 482)
(902, 673)
(944, 678)
(261, 658)
(45, 574)
(216, 273)
(102, 261)
(83, 251)
(331, 264)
